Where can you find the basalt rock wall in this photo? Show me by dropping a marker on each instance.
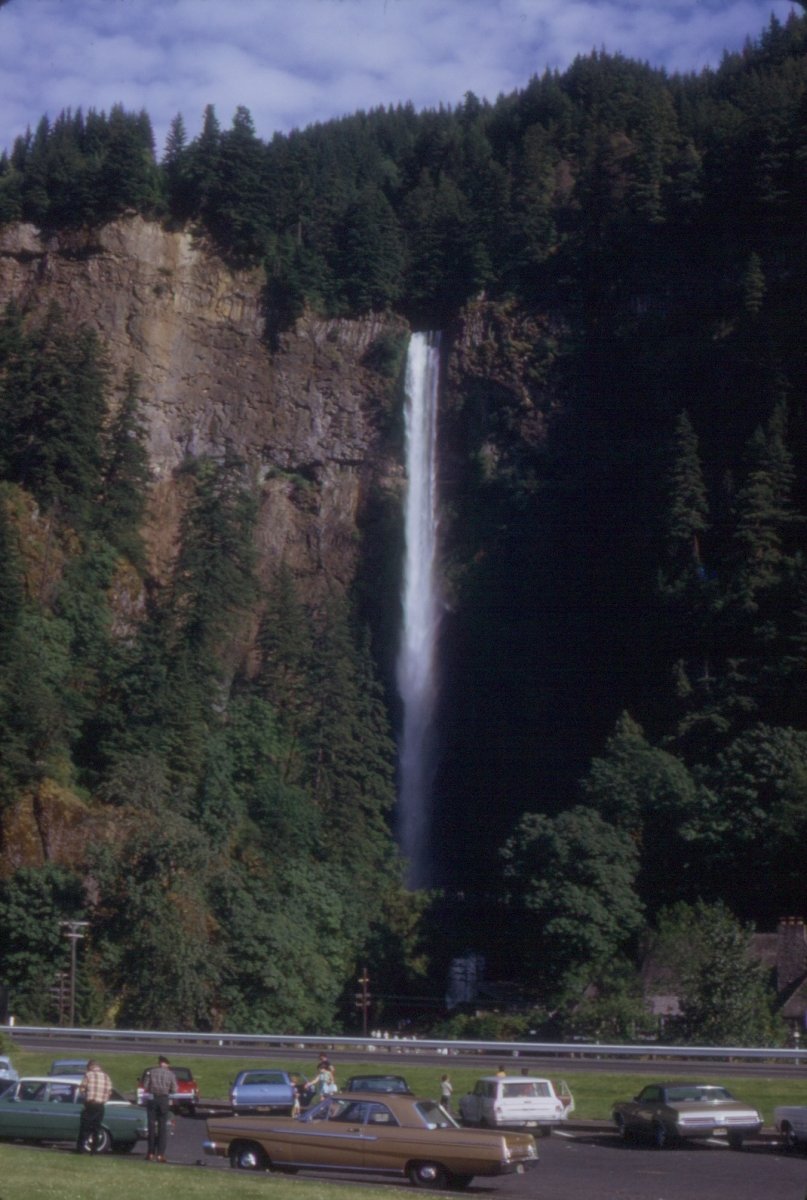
(307, 416)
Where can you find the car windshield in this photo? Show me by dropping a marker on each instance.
(434, 1116)
(696, 1094)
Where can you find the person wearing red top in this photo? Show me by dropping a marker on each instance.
(95, 1089)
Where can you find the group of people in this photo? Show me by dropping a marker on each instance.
(158, 1084)
(96, 1088)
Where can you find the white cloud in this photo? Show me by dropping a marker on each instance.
(292, 62)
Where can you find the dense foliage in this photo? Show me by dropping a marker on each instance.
(625, 703)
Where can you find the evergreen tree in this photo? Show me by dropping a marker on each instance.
(126, 475)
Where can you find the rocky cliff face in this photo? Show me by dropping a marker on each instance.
(306, 417)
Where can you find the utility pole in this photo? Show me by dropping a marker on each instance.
(74, 931)
(363, 998)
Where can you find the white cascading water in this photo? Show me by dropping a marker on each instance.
(421, 606)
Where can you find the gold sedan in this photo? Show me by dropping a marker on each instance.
(393, 1135)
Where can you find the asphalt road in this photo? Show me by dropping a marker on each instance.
(597, 1165)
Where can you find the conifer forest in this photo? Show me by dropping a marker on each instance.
(622, 716)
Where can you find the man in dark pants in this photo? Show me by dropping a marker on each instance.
(95, 1089)
(158, 1083)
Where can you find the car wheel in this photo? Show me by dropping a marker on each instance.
(104, 1142)
(736, 1141)
(789, 1139)
(248, 1156)
(428, 1175)
(661, 1136)
(622, 1127)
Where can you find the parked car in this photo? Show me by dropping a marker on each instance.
(47, 1108)
(516, 1102)
(74, 1068)
(7, 1072)
(399, 1136)
(184, 1099)
(377, 1083)
(262, 1090)
(668, 1112)
(791, 1121)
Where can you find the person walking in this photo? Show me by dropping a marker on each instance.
(158, 1084)
(95, 1089)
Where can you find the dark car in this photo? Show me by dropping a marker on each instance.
(377, 1083)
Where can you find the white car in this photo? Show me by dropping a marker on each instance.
(791, 1121)
(516, 1102)
(7, 1072)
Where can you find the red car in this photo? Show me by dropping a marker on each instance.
(184, 1099)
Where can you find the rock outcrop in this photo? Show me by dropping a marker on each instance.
(306, 417)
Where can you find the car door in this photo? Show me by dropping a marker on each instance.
(332, 1135)
(60, 1112)
(387, 1146)
(23, 1112)
(647, 1106)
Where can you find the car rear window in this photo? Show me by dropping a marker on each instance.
(264, 1077)
(528, 1090)
(183, 1073)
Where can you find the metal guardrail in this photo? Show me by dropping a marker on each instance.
(415, 1046)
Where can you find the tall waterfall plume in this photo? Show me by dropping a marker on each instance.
(417, 683)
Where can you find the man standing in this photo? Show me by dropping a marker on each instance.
(95, 1089)
(158, 1083)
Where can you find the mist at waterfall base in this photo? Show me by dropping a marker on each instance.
(416, 667)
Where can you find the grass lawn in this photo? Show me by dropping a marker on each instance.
(594, 1093)
(44, 1174)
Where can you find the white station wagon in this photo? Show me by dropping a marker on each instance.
(516, 1102)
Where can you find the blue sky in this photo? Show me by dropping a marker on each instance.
(293, 62)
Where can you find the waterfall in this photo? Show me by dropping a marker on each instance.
(416, 658)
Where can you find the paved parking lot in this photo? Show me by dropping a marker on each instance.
(592, 1163)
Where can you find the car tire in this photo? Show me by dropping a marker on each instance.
(789, 1140)
(736, 1141)
(104, 1142)
(428, 1175)
(248, 1156)
(660, 1135)
(622, 1127)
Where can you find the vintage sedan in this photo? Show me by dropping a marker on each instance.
(47, 1108)
(394, 1135)
(669, 1112)
(184, 1099)
(262, 1090)
(377, 1083)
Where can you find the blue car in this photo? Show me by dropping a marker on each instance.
(262, 1090)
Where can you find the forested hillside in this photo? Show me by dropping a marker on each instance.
(618, 262)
